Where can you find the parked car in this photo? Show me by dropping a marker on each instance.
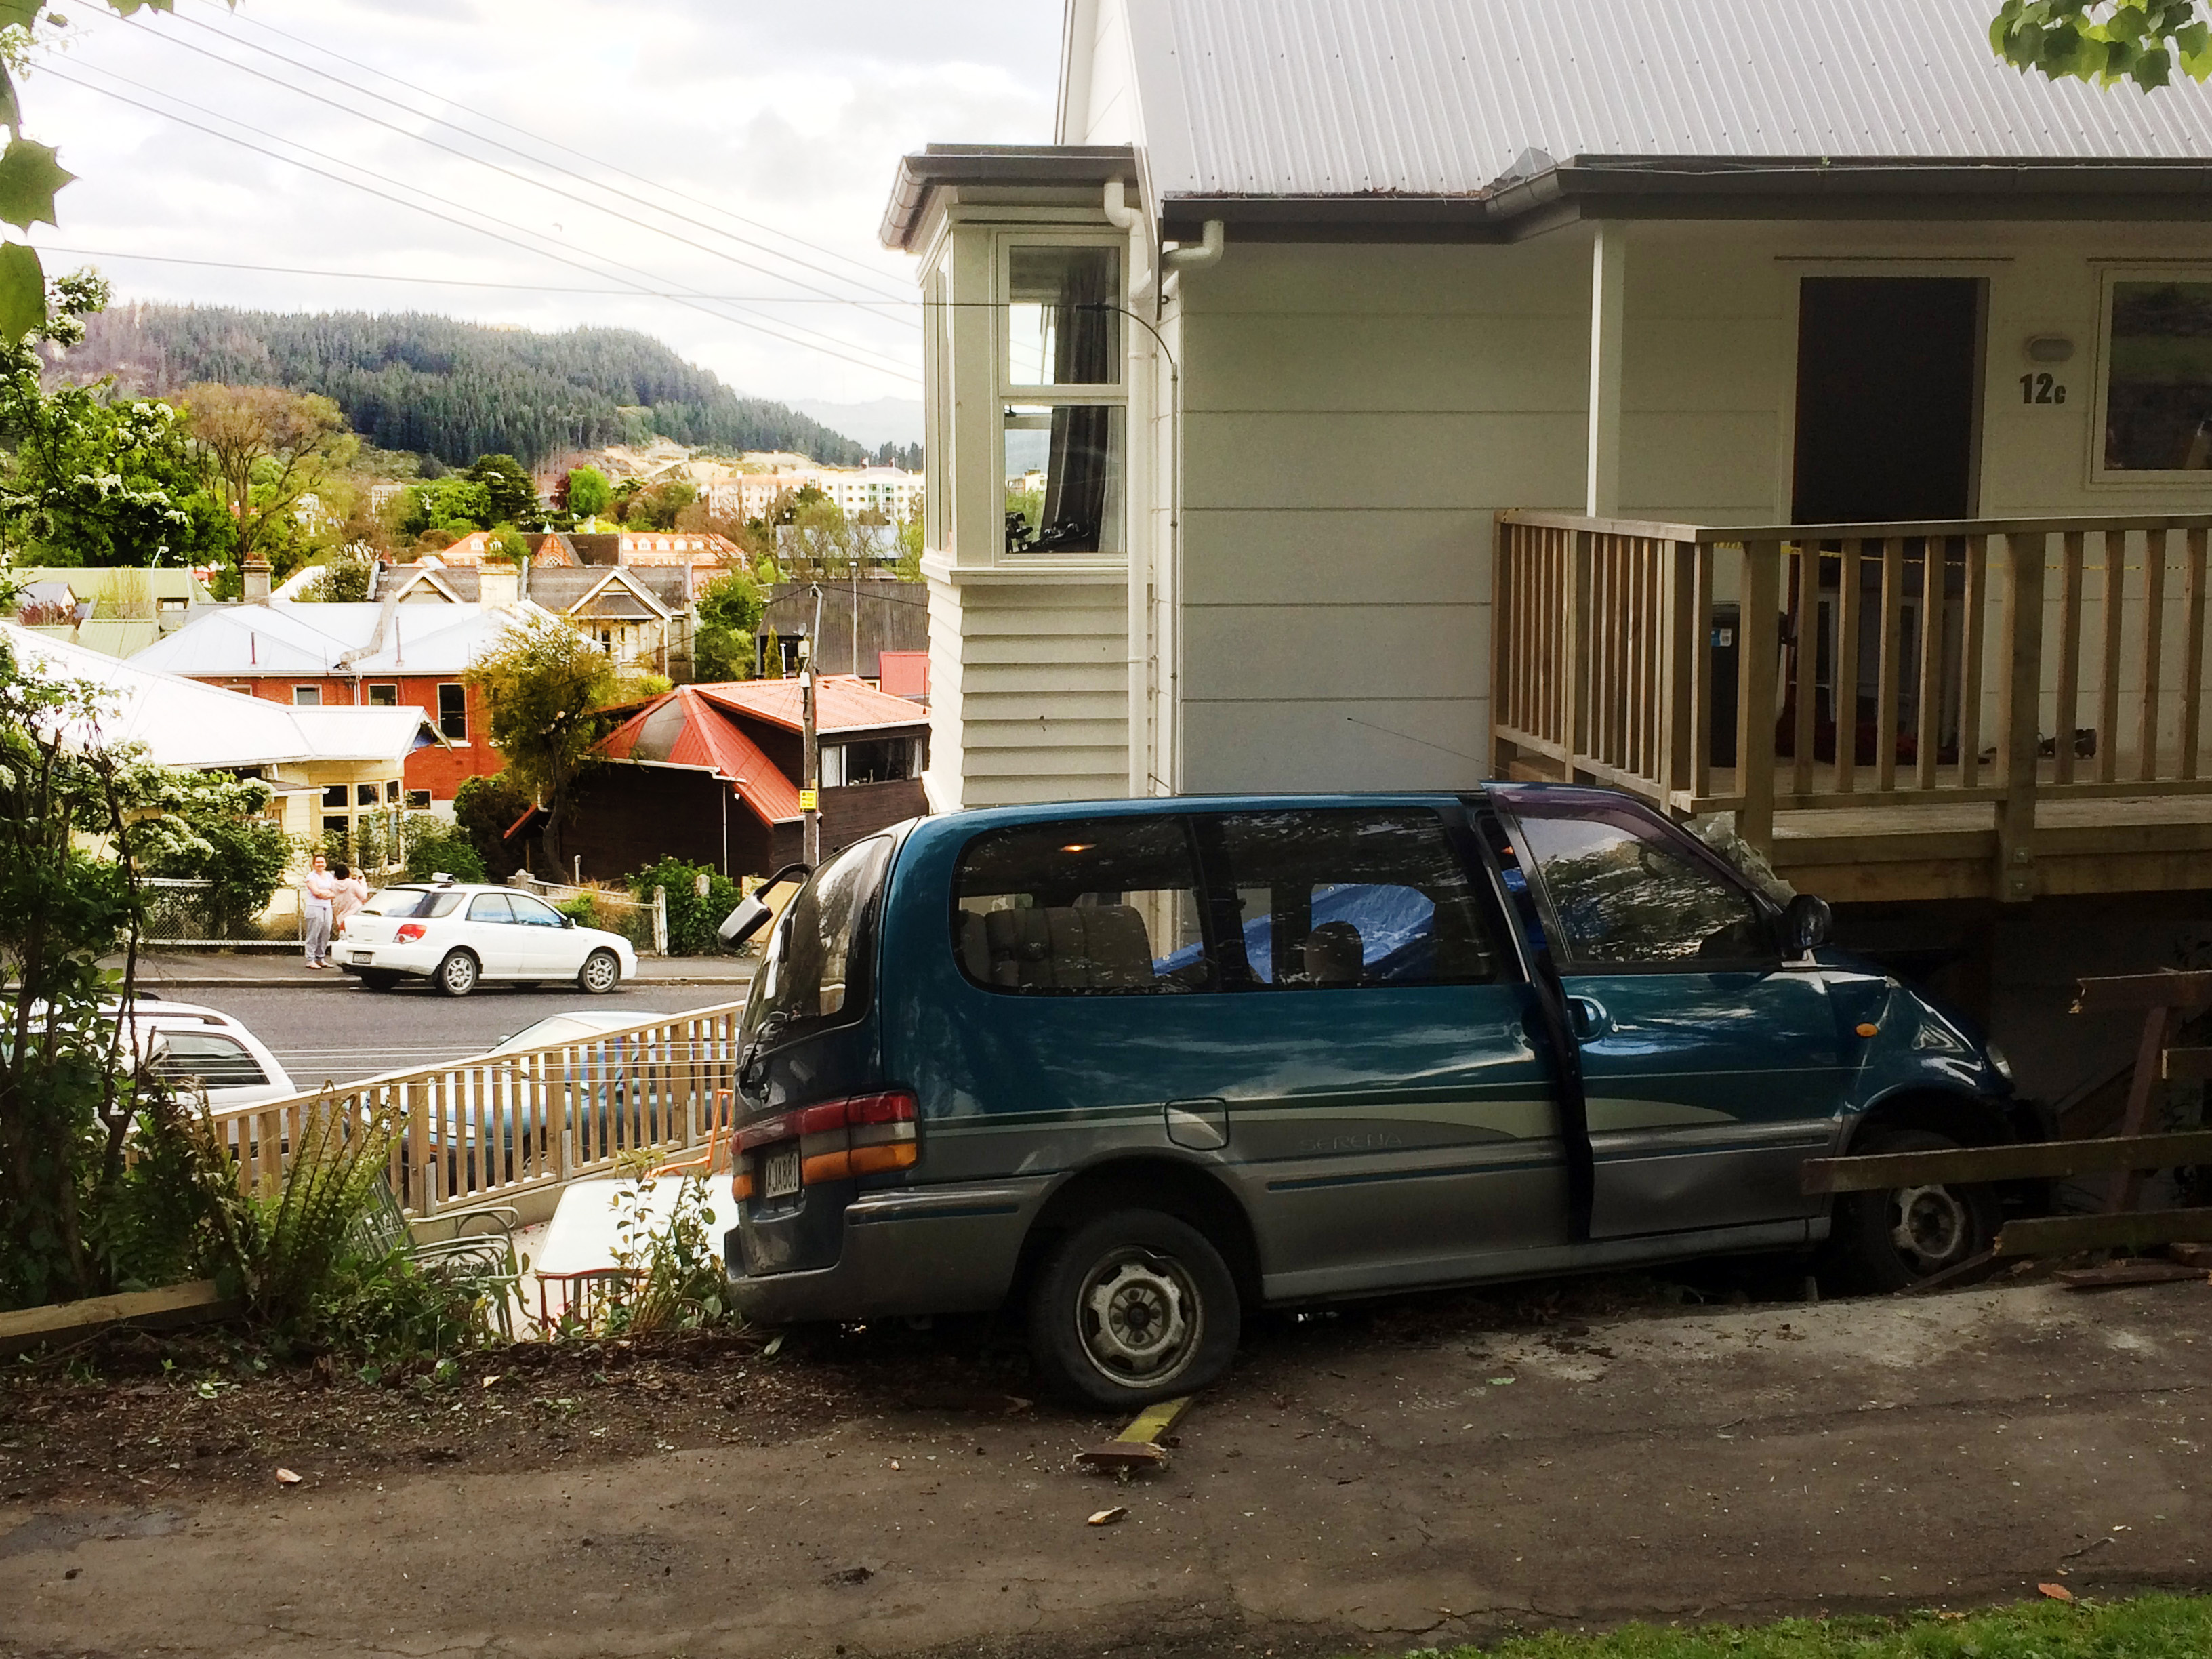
(204, 1048)
(1146, 1065)
(458, 936)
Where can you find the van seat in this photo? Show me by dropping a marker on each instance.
(1065, 948)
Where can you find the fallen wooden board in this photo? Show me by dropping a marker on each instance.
(2130, 991)
(192, 1303)
(2060, 1234)
(2038, 1159)
(1136, 1447)
(2198, 1256)
(2116, 1273)
(1971, 1271)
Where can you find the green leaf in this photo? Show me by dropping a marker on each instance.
(22, 291)
(10, 111)
(29, 176)
(18, 13)
(2155, 68)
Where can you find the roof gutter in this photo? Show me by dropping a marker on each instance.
(1704, 188)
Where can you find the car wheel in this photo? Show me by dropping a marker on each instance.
(601, 973)
(1888, 1240)
(457, 974)
(377, 981)
(1133, 1307)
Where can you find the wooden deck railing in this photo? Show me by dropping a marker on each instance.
(491, 1128)
(1992, 660)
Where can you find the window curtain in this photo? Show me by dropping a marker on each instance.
(1075, 477)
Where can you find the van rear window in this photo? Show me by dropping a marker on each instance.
(815, 969)
(1099, 906)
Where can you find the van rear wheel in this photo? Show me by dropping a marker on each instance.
(1133, 1307)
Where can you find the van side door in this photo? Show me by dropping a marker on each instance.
(1710, 1070)
(1390, 1114)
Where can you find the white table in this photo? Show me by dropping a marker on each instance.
(584, 1244)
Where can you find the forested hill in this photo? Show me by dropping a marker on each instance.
(448, 388)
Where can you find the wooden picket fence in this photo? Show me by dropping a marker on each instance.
(491, 1128)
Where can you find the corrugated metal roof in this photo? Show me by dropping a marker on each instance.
(1340, 97)
(184, 723)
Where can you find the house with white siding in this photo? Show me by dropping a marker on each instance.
(1782, 409)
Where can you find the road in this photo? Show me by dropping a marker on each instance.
(321, 1034)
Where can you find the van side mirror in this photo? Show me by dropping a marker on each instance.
(1806, 925)
(742, 923)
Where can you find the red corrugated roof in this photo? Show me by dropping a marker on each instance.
(705, 736)
(691, 726)
(842, 703)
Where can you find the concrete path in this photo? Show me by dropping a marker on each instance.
(1346, 1488)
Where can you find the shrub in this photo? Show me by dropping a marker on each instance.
(449, 852)
(483, 809)
(692, 917)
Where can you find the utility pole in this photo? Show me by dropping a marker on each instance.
(810, 762)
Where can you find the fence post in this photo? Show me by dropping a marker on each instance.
(660, 922)
(2019, 717)
(1759, 634)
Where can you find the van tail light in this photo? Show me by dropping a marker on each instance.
(741, 1185)
(838, 1139)
(408, 932)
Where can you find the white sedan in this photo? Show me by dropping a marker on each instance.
(456, 936)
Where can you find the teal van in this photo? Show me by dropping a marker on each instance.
(1137, 1067)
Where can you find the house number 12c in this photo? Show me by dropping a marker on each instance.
(2041, 389)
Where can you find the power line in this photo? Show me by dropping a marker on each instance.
(477, 161)
(690, 299)
(464, 282)
(690, 203)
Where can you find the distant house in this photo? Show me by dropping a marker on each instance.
(710, 774)
(378, 655)
(336, 771)
(890, 615)
(118, 611)
(886, 490)
(641, 614)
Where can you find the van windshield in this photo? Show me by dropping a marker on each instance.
(815, 970)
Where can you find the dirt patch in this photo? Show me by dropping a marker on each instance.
(136, 1417)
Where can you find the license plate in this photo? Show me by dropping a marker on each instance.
(363, 956)
(781, 1178)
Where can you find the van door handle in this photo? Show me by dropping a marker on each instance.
(1589, 1017)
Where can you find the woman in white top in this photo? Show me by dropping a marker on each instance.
(320, 893)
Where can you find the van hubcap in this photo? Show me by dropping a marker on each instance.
(1139, 1316)
(1931, 1226)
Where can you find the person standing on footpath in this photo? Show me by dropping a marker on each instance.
(349, 892)
(320, 893)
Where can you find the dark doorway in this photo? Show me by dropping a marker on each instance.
(1888, 409)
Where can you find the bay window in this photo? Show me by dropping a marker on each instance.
(1062, 437)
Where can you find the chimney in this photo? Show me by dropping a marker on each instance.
(256, 571)
(499, 583)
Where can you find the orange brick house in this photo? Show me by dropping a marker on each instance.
(309, 654)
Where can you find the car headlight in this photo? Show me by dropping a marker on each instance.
(1997, 1061)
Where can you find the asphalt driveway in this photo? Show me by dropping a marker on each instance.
(1379, 1480)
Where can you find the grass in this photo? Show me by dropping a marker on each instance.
(2141, 1627)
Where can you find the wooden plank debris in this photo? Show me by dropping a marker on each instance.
(2035, 1160)
(192, 1303)
(2142, 1230)
(1138, 1446)
(2113, 1275)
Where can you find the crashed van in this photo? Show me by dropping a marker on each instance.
(1139, 1067)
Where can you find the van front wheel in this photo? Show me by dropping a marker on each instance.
(1133, 1307)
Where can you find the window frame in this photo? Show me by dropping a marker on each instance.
(2100, 370)
(1009, 392)
(1697, 853)
(306, 697)
(461, 686)
(383, 693)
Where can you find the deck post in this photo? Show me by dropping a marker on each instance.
(1755, 713)
(1574, 685)
(2019, 717)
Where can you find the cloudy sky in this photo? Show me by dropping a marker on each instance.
(736, 152)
